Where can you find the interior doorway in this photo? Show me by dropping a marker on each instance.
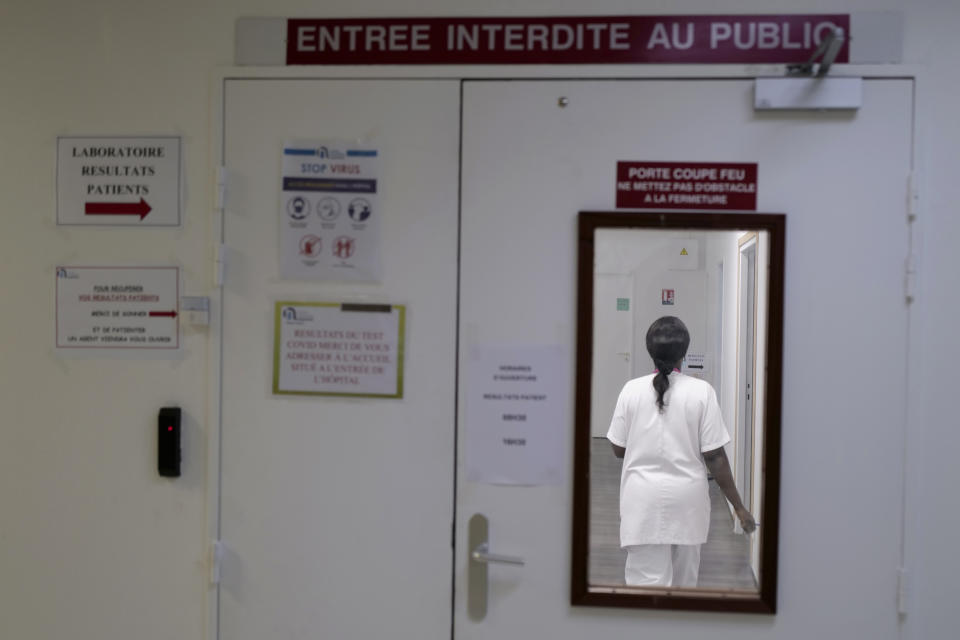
(746, 368)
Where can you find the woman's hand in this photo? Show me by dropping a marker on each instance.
(719, 466)
(746, 520)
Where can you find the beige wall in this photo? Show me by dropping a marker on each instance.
(92, 543)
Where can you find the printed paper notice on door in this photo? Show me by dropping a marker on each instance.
(329, 212)
(117, 307)
(334, 349)
(515, 422)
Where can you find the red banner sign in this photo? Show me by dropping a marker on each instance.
(737, 39)
(687, 185)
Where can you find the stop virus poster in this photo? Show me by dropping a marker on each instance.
(329, 212)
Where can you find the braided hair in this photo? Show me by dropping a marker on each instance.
(667, 342)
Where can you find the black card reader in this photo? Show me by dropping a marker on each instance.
(168, 442)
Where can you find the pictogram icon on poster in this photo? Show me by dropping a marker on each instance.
(328, 208)
(359, 209)
(343, 247)
(310, 246)
(298, 208)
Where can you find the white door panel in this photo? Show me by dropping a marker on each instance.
(336, 513)
(528, 166)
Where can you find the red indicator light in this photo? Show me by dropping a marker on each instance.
(169, 428)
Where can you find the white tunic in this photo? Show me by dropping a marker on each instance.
(664, 498)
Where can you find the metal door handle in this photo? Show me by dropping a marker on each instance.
(479, 559)
(482, 554)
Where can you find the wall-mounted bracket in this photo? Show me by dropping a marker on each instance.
(826, 53)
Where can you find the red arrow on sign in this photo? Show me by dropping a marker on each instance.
(118, 209)
(163, 314)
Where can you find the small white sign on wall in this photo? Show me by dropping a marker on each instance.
(695, 363)
(329, 212)
(120, 181)
(118, 307)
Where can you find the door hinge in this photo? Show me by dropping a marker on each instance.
(903, 591)
(216, 560)
(222, 174)
(913, 212)
(220, 265)
(910, 279)
(913, 197)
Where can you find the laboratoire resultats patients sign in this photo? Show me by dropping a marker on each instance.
(119, 180)
(718, 39)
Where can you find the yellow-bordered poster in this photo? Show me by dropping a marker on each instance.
(338, 349)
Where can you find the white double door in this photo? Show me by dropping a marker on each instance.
(347, 518)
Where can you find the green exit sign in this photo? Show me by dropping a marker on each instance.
(623, 304)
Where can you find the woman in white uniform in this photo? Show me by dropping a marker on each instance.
(668, 429)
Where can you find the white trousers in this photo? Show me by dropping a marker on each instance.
(663, 565)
